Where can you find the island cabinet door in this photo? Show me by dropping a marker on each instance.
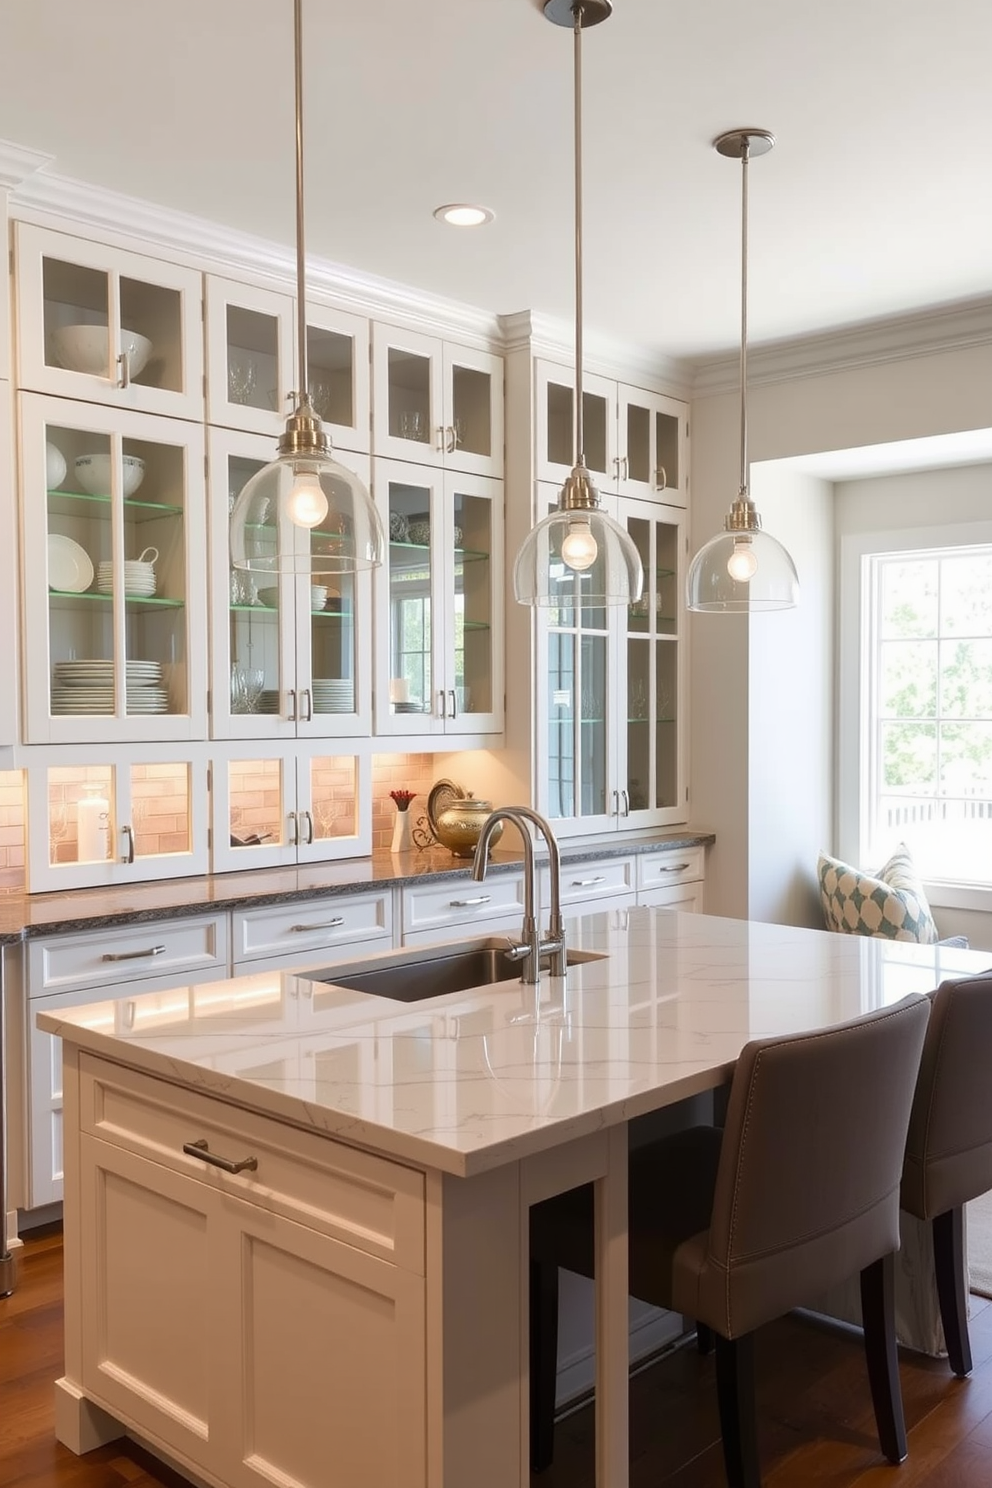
(149, 1311)
(254, 1348)
(324, 1355)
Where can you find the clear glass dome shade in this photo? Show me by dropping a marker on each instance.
(740, 571)
(578, 554)
(305, 514)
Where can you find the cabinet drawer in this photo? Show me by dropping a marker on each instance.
(584, 883)
(450, 905)
(283, 929)
(656, 870)
(687, 896)
(364, 1201)
(100, 958)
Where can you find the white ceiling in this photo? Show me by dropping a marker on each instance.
(876, 201)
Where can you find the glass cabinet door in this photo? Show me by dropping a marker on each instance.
(653, 773)
(290, 656)
(338, 365)
(115, 816)
(250, 356)
(472, 412)
(408, 412)
(651, 446)
(410, 683)
(114, 582)
(472, 575)
(576, 731)
(100, 323)
(556, 424)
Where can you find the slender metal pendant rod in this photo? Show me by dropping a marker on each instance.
(301, 306)
(580, 458)
(745, 155)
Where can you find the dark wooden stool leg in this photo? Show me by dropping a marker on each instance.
(543, 1362)
(952, 1287)
(704, 1339)
(879, 1316)
(735, 1396)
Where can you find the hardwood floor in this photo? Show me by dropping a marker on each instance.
(815, 1426)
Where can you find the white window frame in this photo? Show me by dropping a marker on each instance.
(853, 688)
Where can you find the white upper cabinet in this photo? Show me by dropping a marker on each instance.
(249, 357)
(610, 726)
(114, 574)
(635, 440)
(436, 403)
(290, 658)
(290, 803)
(253, 363)
(106, 325)
(439, 602)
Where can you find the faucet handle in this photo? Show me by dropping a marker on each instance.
(516, 950)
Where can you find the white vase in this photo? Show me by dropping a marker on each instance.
(402, 839)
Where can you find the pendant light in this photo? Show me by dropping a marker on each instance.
(304, 513)
(578, 552)
(743, 568)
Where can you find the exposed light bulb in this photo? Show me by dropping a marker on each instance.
(742, 564)
(579, 548)
(306, 505)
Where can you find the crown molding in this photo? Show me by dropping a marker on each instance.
(554, 339)
(17, 163)
(225, 250)
(953, 327)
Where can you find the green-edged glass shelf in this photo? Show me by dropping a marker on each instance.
(66, 504)
(133, 602)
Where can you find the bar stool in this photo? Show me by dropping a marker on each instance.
(949, 1146)
(800, 1190)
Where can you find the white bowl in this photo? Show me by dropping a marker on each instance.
(318, 596)
(93, 474)
(269, 597)
(55, 466)
(83, 348)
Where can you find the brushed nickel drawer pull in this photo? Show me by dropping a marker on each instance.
(466, 903)
(132, 955)
(199, 1149)
(586, 883)
(675, 868)
(324, 925)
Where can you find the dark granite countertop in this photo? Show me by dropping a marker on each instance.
(25, 916)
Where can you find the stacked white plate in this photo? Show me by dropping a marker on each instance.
(139, 578)
(333, 695)
(268, 701)
(80, 687)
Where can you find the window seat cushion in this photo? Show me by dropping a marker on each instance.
(889, 903)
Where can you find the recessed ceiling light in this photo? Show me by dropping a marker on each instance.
(462, 214)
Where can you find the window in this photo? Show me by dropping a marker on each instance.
(926, 709)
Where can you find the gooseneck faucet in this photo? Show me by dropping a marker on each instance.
(531, 948)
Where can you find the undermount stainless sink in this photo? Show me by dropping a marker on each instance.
(450, 969)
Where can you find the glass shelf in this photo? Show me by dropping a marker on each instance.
(133, 602)
(70, 509)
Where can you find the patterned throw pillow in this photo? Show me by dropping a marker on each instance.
(890, 903)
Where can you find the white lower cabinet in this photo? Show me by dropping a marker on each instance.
(311, 932)
(672, 879)
(99, 966)
(434, 911)
(267, 1326)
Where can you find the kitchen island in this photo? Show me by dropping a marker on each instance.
(344, 1303)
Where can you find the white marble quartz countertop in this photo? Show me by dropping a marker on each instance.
(467, 1081)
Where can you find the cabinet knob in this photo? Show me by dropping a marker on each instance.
(155, 950)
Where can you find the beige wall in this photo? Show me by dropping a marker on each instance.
(762, 688)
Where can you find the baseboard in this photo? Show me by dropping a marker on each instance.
(577, 1375)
